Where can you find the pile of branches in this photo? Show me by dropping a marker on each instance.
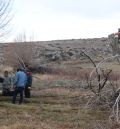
(106, 94)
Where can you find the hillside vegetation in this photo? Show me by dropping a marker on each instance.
(62, 99)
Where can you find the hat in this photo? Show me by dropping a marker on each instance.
(20, 69)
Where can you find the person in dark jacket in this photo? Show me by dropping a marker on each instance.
(28, 84)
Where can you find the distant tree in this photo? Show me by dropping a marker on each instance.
(23, 37)
(5, 17)
(19, 53)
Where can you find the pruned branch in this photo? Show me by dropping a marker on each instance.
(101, 75)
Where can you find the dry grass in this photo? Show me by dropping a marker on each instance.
(54, 108)
(55, 104)
(62, 74)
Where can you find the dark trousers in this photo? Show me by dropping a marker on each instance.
(18, 90)
(7, 92)
(27, 92)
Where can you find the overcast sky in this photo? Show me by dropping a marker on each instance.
(66, 19)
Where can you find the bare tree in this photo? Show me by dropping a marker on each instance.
(97, 81)
(23, 37)
(19, 53)
(5, 17)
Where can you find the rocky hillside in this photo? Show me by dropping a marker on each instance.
(62, 50)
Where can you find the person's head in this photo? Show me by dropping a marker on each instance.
(6, 73)
(20, 69)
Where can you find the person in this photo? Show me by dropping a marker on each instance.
(115, 42)
(28, 84)
(6, 84)
(19, 84)
(118, 35)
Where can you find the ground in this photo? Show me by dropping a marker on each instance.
(58, 102)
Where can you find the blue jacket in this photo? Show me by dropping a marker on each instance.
(20, 79)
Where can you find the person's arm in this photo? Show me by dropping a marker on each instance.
(30, 80)
(25, 80)
(1, 79)
(16, 79)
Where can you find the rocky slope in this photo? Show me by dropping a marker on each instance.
(62, 50)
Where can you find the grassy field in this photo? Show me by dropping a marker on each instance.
(51, 108)
(57, 102)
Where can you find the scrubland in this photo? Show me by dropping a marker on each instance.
(58, 101)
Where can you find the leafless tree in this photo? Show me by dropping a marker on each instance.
(97, 81)
(23, 37)
(19, 53)
(5, 17)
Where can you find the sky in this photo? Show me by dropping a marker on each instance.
(65, 19)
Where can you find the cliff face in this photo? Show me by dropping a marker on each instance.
(61, 50)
